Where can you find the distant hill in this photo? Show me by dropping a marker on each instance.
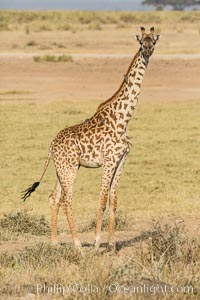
(73, 4)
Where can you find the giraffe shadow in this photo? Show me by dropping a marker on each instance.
(125, 243)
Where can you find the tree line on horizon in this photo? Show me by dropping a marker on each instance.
(175, 4)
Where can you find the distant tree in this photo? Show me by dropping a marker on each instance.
(176, 4)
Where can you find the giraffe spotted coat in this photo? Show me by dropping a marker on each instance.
(100, 141)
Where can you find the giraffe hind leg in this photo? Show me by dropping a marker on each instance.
(113, 201)
(66, 177)
(55, 199)
(104, 193)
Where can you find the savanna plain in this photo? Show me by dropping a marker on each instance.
(55, 69)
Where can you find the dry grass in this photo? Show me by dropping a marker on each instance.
(164, 258)
(66, 20)
(162, 170)
(122, 222)
(92, 31)
(160, 178)
(14, 92)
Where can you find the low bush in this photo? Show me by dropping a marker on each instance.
(53, 58)
(22, 222)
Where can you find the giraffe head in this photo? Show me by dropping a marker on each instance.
(147, 42)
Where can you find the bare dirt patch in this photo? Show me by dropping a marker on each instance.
(168, 78)
(125, 239)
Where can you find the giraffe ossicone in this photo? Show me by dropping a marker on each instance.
(100, 141)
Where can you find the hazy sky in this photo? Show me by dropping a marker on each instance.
(73, 4)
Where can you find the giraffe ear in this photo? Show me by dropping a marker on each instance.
(137, 37)
(143, 32)
(152, 29)
(157, 37)
(152, 32)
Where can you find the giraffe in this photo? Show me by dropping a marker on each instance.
(100, 141)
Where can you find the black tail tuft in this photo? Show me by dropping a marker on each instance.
(29, 191)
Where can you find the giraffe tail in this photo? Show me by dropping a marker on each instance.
(25, 194)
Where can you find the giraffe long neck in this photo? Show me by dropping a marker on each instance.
(124, 101)
(127, 100)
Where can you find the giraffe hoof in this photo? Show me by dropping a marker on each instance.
(54, 242)
(77, 244)
(97, 244)
(111, 248)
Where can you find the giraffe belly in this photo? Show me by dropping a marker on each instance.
(89, 163)
(92, 160)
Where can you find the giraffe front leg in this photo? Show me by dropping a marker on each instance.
(113, 201)
(112, 210)
(54, 199)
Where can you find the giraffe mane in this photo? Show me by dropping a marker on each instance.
(114, 95)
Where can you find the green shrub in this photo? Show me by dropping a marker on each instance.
(37, 58)
(95, 26)
(45, 27)
(53, 58)
(169, 244)
(31, 43)
(64, 58)
(4, 27)
(40, 255)
(64, 27)
(22, 222)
